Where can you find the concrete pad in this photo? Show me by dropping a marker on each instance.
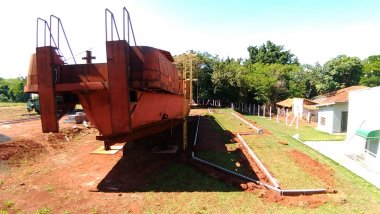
(335, 150)
(114, 149)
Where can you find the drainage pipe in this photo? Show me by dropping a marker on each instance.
(259, 163)
(294, 192)
(258, 130)
(196, 132)
(272, 188)
(226, 170)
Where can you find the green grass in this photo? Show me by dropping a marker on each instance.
(183, 178)
(306, 132)
(44, 210)
(360, 195)
(5, 104)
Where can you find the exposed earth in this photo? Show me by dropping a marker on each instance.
(57, 172)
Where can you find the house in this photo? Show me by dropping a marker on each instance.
(308, 110)
(363, 130)
(333, 110)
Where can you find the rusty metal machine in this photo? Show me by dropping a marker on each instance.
(136, 93)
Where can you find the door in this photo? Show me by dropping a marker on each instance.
(343, 123)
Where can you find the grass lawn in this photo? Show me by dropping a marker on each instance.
(306, 132)
(355, 195)
(10, 111)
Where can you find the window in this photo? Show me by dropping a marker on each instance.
(323, 121)
(372, 145)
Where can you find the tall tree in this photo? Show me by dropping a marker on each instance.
(270, 82)
(227, 80)
(371, 71)
(341, 72)
(271, 53)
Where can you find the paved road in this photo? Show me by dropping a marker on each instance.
(335, 150)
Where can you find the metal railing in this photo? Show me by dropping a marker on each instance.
(129, 26)
(47, 31)
(60, 27)
(113, 24)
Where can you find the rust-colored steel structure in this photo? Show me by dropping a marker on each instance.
(136, 93)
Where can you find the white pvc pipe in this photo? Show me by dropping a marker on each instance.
(272, 188)
(196, 132)
(258, 130)
(259, 163)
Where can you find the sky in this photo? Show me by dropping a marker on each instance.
(313, 30)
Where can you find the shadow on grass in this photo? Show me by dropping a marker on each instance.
(139, 170)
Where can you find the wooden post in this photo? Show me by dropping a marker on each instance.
(278, 111)
(184, 130)
(286, 117)
(264, 111)
(270, 112)
(258, 110)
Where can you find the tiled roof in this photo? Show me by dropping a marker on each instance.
(340, 96)
(289, 102)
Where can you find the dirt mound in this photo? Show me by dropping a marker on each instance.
(313, 167)
(67, 134)
(20, 149)
(310, 201)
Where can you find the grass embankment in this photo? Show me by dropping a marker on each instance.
(359, 194)
(354, 194)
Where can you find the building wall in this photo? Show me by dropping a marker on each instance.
(327, 113)
(333, 116)
(364, 110)
(338, 109)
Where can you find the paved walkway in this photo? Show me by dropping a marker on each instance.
(335, 150)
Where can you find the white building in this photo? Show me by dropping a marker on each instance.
(333, 111)
(363, 131)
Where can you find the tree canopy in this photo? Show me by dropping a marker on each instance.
(272, 74)
(12, 90)
(371, 71)
(271, 53)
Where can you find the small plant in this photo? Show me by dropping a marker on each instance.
(1, 182)
(9, 204)
(94, 210)
(44, 210)
(3, 212)
(50, 188)
(66, 212)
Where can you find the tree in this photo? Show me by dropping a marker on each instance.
(341, 72)
(227, 80)
(371, 71)
(270, 82)
(271, 53)
(12, 90)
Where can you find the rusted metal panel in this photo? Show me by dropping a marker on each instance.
(153, 107)
(46, 75)
(118, 81)
(84, 73)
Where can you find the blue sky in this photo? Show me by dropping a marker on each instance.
(315, 31)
